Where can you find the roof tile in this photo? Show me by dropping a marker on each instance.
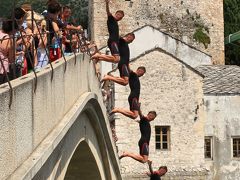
(220, 79)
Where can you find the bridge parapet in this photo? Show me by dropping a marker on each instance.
(34, 115)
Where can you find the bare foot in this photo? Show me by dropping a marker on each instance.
(113, 111)
(105, 78)
(95, 56)
(109, 73)
(93, 49)
(123, 155)
(149, 162)
(98, 75)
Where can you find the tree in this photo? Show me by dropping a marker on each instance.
(79, 8)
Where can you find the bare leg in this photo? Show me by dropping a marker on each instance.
(137, 157)
(107, 58)
(128, 113)
(120, 80)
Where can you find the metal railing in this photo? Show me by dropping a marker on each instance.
(83, 45)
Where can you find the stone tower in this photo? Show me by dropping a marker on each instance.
(198, 23)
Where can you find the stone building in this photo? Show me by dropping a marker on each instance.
(222, 134)
(196, 131)
(184, 20)
(173, 88)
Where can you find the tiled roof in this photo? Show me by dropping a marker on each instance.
(220, 79)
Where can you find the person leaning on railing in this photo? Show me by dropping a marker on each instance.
(54, 39)
(36, 39)
(20, 61)
(42, 58)
(68, 30)
(38, 43)
(31, 41)
(20, 15)
(7, 53)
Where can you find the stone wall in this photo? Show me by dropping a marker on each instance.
(181, 19)
(222, 123)
(174, 91)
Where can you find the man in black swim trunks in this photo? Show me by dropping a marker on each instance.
(134, 84)
(113, 30)
(155, 175)
(143, 143)
(123, 65)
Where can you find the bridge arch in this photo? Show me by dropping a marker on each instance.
(92, 143)
(85, 144)
(83, 164)
(62, 113)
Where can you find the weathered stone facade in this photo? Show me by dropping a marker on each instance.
(171, 86)
(174, 91)
(221, 104)
(181, 19)
(222, 124)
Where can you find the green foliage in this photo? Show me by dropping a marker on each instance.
(6, 8)
(160, 16)
(79, 8)
(201, 37)
(194, 21)
(232, 25)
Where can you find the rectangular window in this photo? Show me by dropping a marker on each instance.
(162, 137)
(208, 147)
(236, 147)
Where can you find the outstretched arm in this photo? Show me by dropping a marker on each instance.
(138, 121)
(150, 167)
(148, 173)
(140, 111)
(71, 27)
(107, 7)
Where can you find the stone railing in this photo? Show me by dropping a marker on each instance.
(35, 112)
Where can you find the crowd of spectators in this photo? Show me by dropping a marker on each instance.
(30, 40)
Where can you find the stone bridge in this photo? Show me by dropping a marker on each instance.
(58, 130)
